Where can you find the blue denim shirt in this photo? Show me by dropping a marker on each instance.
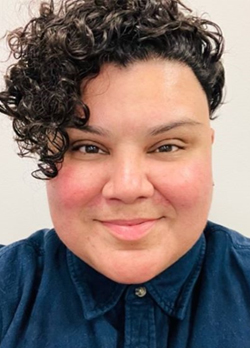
(49, 298)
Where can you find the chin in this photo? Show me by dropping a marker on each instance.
(133, 276)
(128, 279)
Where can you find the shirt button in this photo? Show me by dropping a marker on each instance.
(141, 291)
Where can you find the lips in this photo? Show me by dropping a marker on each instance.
(129, 230)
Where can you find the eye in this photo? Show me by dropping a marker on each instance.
(168, 148)
(88, 149)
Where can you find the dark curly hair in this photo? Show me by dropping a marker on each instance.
(62, 47)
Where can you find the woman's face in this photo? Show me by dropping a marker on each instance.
(135, 188)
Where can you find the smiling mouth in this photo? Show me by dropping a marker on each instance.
(129, 230)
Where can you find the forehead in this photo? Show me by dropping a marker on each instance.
(153, 89)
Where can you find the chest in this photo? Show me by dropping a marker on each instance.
(135, 322)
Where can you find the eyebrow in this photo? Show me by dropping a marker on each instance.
(167, 127)
(95, 130)
(152, 132)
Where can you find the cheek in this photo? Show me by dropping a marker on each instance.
(73, 188)
(187, 185)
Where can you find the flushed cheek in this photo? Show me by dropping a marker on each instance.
(187, 186)
(72, 189)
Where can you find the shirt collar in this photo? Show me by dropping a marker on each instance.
(171, 289)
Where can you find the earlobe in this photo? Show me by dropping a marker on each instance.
(212, 135)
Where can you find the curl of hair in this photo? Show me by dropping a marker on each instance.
(61, 47)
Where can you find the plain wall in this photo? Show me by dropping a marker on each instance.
(23, 199)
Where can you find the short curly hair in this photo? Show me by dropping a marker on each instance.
(61, 47)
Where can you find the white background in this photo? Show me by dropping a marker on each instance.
(23, 199)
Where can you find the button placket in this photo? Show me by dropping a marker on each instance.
(140, 321)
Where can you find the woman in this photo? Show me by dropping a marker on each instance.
(115, 98)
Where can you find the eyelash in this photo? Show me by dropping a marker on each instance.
(168, 148)
(94, 149)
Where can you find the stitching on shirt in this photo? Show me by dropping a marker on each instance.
(98, 307)
(179, 306)
(227, 232)
(30, 242)
(15, 245)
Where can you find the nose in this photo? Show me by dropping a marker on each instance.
(128, 180)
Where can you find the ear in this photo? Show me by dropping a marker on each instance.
(212, 135)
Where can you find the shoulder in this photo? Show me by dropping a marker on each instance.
(30, 249)
(215, 233)
(21, 260)
(21, 267)
(227, 251)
